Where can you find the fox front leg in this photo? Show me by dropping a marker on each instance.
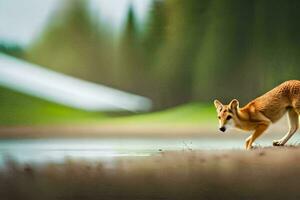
(258, 131)
(247, 141)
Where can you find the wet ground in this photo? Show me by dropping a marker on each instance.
(107, 149)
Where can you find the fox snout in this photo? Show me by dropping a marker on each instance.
(223, 129)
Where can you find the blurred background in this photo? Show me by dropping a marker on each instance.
(113, 81)
(73, 61)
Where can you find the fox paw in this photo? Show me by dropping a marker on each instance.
(277, 143)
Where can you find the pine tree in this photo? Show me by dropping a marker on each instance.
(75, 43)
(130, 67)
(175, 69)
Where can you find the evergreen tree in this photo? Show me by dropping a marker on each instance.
(153, 41)
(177, 59)
(131, 68)
(74, 43)
(222, 58)
(155, 32)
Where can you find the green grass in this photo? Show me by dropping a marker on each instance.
(20, 109)
(193, 113)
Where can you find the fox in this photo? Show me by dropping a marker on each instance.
(260, 113)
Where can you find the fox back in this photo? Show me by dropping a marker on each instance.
(277, 101)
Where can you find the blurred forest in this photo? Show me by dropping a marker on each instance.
(194, 50)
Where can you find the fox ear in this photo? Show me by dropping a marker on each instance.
(218, 104)
(234, 104)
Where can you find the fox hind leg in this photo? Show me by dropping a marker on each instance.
(293, 126)
(296, 105)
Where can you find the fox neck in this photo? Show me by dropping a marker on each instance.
(241, 119)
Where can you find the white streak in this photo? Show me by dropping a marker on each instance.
(53, 86)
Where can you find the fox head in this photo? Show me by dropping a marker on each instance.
(227, 114)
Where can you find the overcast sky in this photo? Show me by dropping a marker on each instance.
(22, 21)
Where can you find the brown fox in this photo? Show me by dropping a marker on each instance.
(261, 112)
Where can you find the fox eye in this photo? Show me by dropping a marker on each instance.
(228, 117)
(219, 117)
